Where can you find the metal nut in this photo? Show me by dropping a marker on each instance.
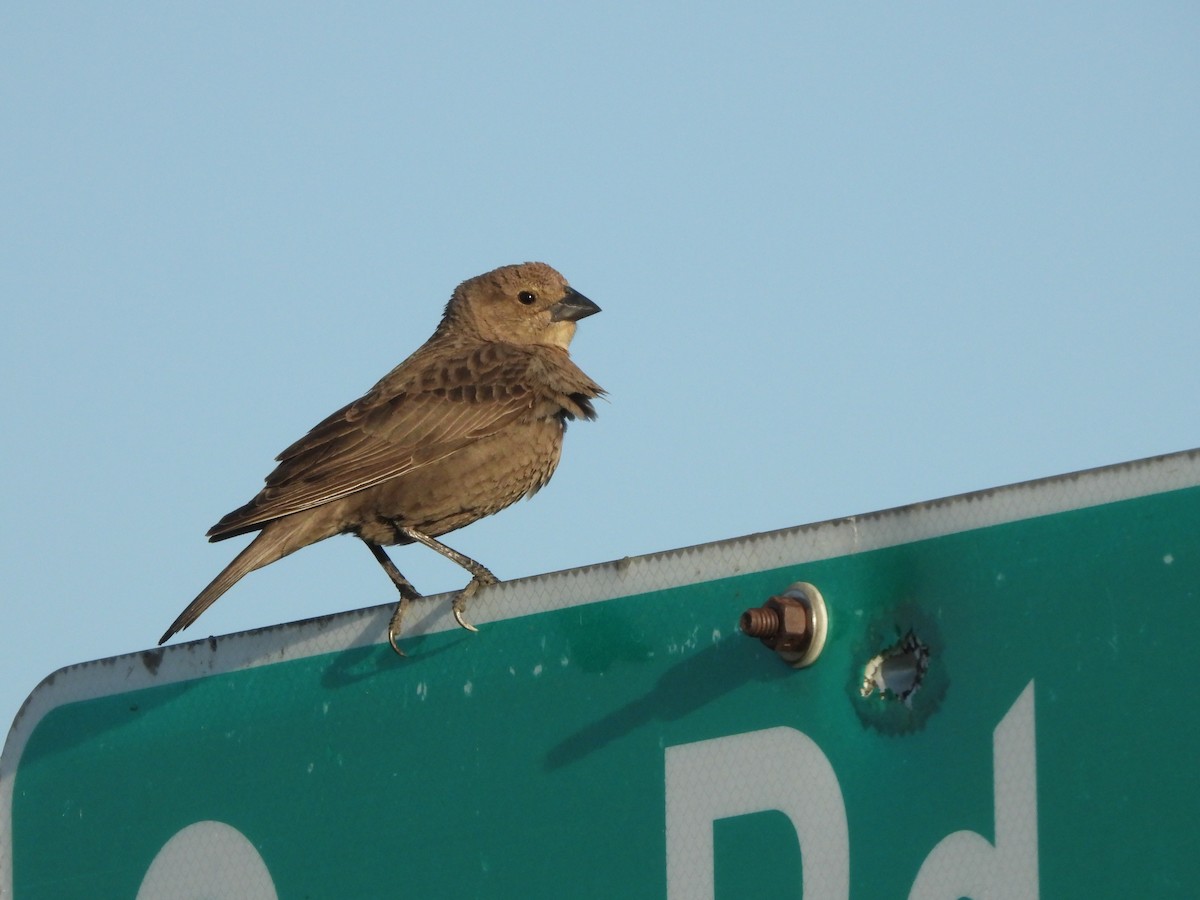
(793, 624)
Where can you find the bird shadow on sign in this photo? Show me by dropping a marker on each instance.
(683, 689)
(363, 661)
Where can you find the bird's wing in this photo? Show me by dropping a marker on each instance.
(415, 416)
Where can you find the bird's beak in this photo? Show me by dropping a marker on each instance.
(572, 307)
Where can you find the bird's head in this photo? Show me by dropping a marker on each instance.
(529, 303)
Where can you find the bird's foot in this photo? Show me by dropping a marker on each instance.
(393, 630)
(408, 593)
(482, 578)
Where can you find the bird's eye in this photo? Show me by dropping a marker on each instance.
(526, 297)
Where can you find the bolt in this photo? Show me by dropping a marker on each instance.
(792, 624)
(781, 623)
(760, 622)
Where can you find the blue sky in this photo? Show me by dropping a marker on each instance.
(850, 257)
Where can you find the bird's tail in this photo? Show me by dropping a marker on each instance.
(276, 540)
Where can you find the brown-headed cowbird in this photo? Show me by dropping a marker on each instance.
(464, 427)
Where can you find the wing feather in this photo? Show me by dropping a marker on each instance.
(410, 419)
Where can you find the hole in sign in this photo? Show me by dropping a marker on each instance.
(899, 670)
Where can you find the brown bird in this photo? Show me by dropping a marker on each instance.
(464, 427)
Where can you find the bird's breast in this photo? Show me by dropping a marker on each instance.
(476, 481)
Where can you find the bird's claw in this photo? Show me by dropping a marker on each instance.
(458, 617)
(392, 636)
(459, 604)
(393, 630)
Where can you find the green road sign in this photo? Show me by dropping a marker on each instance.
(1001, 709)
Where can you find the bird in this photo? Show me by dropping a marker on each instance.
(467, 425)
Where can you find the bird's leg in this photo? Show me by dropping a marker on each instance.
(403, 585)
(480, 575)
